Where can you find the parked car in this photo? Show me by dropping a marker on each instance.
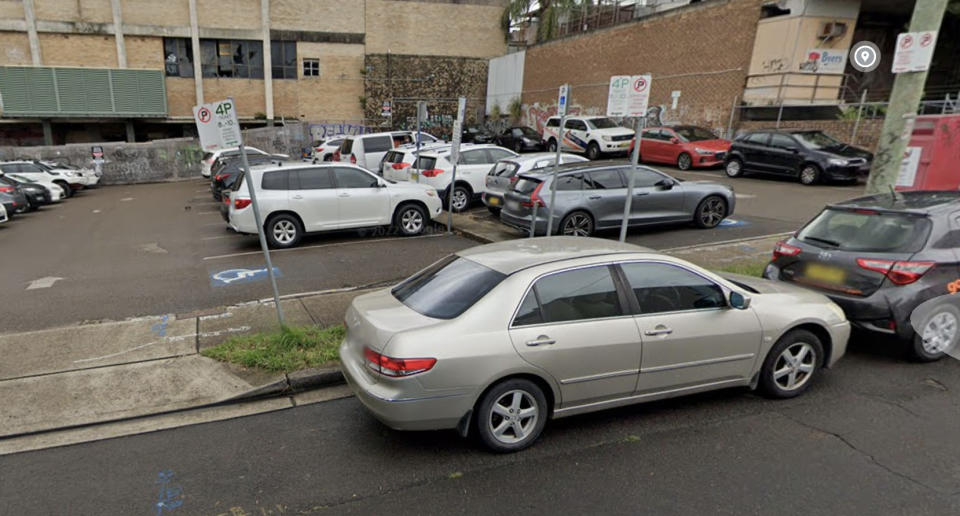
(396, 163)
(89, 177)
(367, 150)
(435, 169)
(594, 135)
(505, 173)
(477, 134)
(226, 169)
(67, 179)
(591, 197)
(300, 198)
(8, 206)
(323, 150)
(206, 163)
(685, 146)
(498, 339)
(879, 257)
(521, 139)
(35, 194)
(810, 156)
(17, 195)
(56, 192)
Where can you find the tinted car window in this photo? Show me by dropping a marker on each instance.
(529, 312)
(495, 155)
(644, 177)
(530, 133)
(866, 230)
(353, 178)
(569, 182)
(347, 146)
(553, 122)
(377, 144)
(578, 294)
(276, 180)
(504, 169)
(315, 178)
(9, 169)
(782, 141)
(516, 132)
(603, 180)
(475, 157)
(526, 185)
(661, 287)
(602, 123)
(756, 138)
(447, 288)
(425, 163)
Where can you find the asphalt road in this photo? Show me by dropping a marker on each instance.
(876, 435)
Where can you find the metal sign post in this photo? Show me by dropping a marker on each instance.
(420, 110)
(630, 96)
(563, 100)
(455, 157)
(218, 128)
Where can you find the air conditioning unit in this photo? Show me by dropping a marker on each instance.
(830, 30)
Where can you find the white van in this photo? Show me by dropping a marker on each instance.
(368, 150)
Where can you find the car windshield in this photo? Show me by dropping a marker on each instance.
(19, 178)
(530, 133)
(694, 134)
(866, 230)
(817, 140)
(601, 123)
(447, 288)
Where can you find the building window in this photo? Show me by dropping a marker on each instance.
(178, 57)
(311, 67)
(283, 55)
(231, 58)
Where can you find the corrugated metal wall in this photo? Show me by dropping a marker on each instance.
(505, 80)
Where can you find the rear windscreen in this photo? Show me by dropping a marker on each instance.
(447, 288)
(425, 163)
(207, 156)
(394, 157)
(504, 169)
(526, 185)
(867, 230)
(346, 146)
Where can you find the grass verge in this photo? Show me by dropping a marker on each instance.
(747, 269)
(285, 350)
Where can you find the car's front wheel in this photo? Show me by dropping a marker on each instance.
(937, 334)
(459, 199)
(410, 219)
(710, 212)
(511, 415)
(283, 231)
(67, 191)
(578, 223)
(593, 151)
(684, 161)
(552, 145)
(734, 167)
(791, 364)
(809, 174)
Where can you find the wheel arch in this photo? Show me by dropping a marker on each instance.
(269, 217)
(817, 329)
(417, 202)
(550, 391)
(584, 209)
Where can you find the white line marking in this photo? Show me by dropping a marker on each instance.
(208, 212)
(250, 253)
(96, 211)
(219, 237)
(204, 190)
(126, 199)
(43, 282)
(723, 242)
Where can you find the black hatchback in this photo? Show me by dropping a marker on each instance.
(879, 257)
(809, 156)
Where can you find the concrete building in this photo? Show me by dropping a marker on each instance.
(101, 70)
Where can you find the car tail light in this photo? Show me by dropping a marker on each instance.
(782, 249)
(226, 199)
(899, 273)
(353, 159)
(6, 189)
(400, 166)
(219, 177)
(534, 198)
(433, 172)
(336, 156)
(397, 367)
(241, 203)
(514, 179)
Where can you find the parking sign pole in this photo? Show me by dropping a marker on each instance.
(635, 160)
(455, 156)
(263, 238)
(419, 112)
(562, 102)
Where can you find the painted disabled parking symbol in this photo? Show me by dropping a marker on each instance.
(237, 276)
(731, 223)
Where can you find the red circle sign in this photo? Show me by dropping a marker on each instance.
(204, 115)
(907, 42)
(639, 85)
(926, 39)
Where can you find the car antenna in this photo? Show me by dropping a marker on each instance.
(895, 194)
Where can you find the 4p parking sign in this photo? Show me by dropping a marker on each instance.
(217, 125)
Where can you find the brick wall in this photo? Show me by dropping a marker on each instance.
(702, 50)
(95, 51)
(14, 48)
(868, 134)
(317, 15)
(462, 28)
(90, 11)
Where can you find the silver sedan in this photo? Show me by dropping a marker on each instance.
(500, 338)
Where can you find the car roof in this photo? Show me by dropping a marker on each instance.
(584, 165)
(514, 255)
(923, 202)
(437, 151)
(537, 156)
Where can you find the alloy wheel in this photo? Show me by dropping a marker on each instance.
(712, 212)
(577, 225)
(939, 333)
(795, 366)
(733, 168)
(412, 221)
(684, 162)
(284, 232)
(459, 199)
(513, 416)
(808, 175)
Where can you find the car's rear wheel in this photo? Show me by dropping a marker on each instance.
(459, 199)
(494, 211)
(283, 231)
(593, 151)
(809, 174)
(578, 223)
(734, 167)
(791, 364)
(410, 219)
(710, 212)
(684, 161)
(552, 145)
(937, 334)
(511, 415)
(518, 147)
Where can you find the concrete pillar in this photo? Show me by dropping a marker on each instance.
(118, 33)
(31, 20)
(267, 60)
(131, 134)
(195, 44)
(47, 132)
(904, 104)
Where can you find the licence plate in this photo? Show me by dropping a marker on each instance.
(494, 201)
(414, 176)
(513, 205)
(825, 273)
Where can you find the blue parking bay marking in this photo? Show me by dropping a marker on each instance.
(732, 223)
(238, 276)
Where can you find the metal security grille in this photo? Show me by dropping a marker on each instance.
(43, 91)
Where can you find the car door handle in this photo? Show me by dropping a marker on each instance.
(542, 340)
(595, 197)
(640, 194)
(660, 330)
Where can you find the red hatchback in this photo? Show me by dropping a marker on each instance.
(685, 146)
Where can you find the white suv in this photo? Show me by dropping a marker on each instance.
(593, 135)
(368, 150)
(434, 168)
(69, 180)
(298, 198)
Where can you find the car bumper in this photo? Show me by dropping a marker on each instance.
(839, 336)
(492, 200)
(387, 402)
(522, 222)
(842, 173)
(615, 147)
(38, 199)
(708, 160)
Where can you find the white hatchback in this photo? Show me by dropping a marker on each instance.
(300, 198)
(435, 169)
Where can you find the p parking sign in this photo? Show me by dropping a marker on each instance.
(217, 125)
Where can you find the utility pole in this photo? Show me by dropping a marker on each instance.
(904, 103)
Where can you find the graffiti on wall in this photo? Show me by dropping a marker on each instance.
(320, 131)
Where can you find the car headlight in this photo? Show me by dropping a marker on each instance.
(607, 138)
(704, 151)
(838, 162)
(528, 141)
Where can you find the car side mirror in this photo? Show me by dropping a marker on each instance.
(665, 184)
(674, 140)
(739, 301)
